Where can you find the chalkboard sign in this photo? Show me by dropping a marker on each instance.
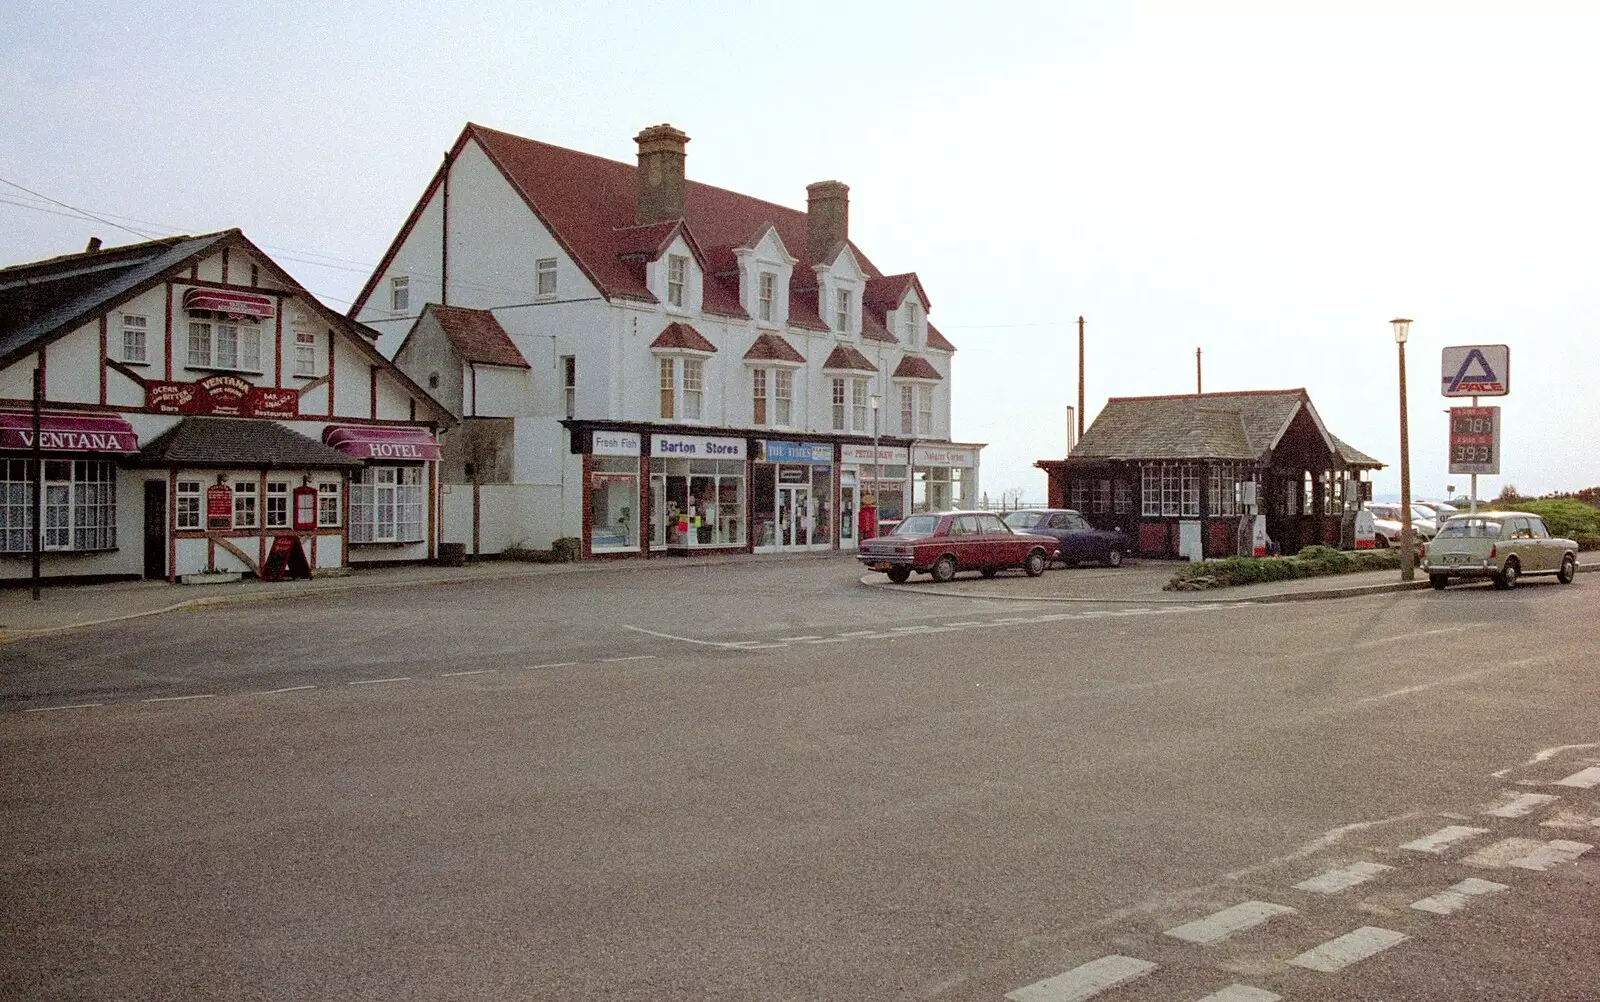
(285, 558)
(219, 507)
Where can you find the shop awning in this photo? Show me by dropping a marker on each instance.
(67, 432)
(381, 442)
(241, 304)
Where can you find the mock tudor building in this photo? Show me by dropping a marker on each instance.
(657, 365)
(1182, 474)
(201, 411)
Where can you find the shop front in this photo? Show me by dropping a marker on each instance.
(75, 472)
(792, 496)
(611, 513)
(697, 493)
(876, 479)
(943, 477)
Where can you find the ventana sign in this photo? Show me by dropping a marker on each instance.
(229, 396)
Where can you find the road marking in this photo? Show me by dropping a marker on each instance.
(1456, 898)
(1503, 852)
(1570, 819)
(68, 706)
(1551, 854)
(686, 640)
(291, 688)
(380, 681)
(1218, 926)
(458, 674)
(831, 640)
(1337, 954)
(868, 633)
(1582, 780)
(1342, 878)
(1550, 753)
(1242, 993)
(178, 699)
(631, 657)
(553, 664)
(795, 640)
(1443, 839)
(1519, 804)
(1084, 981)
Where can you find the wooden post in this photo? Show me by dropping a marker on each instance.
(1198, 388)
(1080, 376)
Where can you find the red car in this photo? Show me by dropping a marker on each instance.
(942, 543)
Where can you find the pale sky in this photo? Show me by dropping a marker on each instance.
(1270, 186)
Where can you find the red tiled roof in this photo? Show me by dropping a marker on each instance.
(586, 200)
(478, 336)
(846, 357)
(937, 340)
(722, 297)
(771, 347)
(890, 290)
(803, 301)
(872, 326)
(682, 336)
(915, 367)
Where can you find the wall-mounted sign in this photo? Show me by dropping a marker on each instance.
(794, 475)
(794, 452)
(943, 455)
(219, 507)
(231, 396)
(696, 447)
(1475, 440)
(893, 454)
(615, 443)
(1477, 370)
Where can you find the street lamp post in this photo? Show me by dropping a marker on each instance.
(875, 401)
(1408, 556)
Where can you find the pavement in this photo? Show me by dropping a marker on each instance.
(69, 606)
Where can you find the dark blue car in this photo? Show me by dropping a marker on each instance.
(1079, 540)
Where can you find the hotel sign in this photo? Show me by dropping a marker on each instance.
(224, 395)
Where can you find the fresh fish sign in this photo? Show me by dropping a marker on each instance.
(1477, 370)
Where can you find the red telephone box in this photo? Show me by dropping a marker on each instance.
(867, 522)
(305, 508)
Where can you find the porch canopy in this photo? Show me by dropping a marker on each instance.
(383, 442)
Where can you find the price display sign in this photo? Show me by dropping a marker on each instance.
(1475, 440)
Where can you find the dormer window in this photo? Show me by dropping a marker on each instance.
(913, 324)
(768, 293)
(841, 304)
(677, 279)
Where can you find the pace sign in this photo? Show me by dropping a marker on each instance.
(1477, 370)
(1475, 440)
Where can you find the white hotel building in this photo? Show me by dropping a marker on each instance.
(655, 365)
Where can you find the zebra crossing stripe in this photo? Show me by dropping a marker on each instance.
(1501, 853)
(1443, 839)
(1084, 981)
(1337, 954)
(1582, 780)
(1343, 878)
(1219, 926)
(1455, 898)
(1242, 993)
(1551, 854)
(1517, 805)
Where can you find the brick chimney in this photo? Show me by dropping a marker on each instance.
(827, 217)
(660, 174)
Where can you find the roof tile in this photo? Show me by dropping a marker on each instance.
(477, 336)
(248, 443)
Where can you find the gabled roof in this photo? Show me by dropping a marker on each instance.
(844, 357)
(770, 347)
(889, 291)
(240, 442)
(1355, 457)
(1241, 426)
(679, 336)
(915, 367)
(477, 336)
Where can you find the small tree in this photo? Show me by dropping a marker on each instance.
(1509, 493)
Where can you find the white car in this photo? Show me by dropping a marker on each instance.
(1386, 523)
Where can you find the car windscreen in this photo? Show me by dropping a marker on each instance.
(1470, 528)
(1023, 519)
(917, 525)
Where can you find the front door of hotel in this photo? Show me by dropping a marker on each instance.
(794, 516)
(155, 529)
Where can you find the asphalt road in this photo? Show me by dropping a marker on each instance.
(793, 787)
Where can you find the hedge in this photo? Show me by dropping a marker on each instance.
(1566, 517)
(1311, 562)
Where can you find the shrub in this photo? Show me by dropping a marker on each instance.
(1566, 517)
(566, 550)
(1313, 561)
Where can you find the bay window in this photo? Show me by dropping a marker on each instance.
(682, 388)
(388, 505)
(839, 405)
(80, 504)
(772, 396)
(916, 409)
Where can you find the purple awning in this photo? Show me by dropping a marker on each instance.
(67, 432)
(380, 442)
(239, 304)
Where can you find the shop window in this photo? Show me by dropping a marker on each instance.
(387, 505)
(246, 512)
(277, 505)
(697, 502)
(613, 503)
(931, 488)
(80, 505)
(188, 512)
(135, 339)
(328, 504)
(224, 345)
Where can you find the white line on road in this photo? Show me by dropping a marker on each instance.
(1518, 805)
(292, 688)
(868, 633)
(68, 706)
(178, 699)
(1342, 878)
(1218, 926)
(380, 681)
(1424, 687)
(795, 640)
(1443, 839)
(685, 640)
(831, 640)
(458, 674)
(1242, 993)
(1455, 898)
(1582, 780)
(1084, 981)
(553, 664)
(1501, 853)
(1337, 954)
(631, 657)
(1547, 754)
(1551, 854)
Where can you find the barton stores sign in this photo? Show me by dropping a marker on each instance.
(224, 395)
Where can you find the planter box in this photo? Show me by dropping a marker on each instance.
(210, 577)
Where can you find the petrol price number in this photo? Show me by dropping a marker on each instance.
(1475, 440)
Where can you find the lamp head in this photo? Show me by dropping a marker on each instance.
(874, 401)
(1402, 330)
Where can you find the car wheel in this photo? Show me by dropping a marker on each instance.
(1114, 557)
(1380, 542)
(1569, 569)
(899, 575)
(1035, 564)
(1438, 581)
(990, 572)
(1507, 578)
(944, 568)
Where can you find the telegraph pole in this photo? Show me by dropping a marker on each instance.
(38, 477)
(1080, 376)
